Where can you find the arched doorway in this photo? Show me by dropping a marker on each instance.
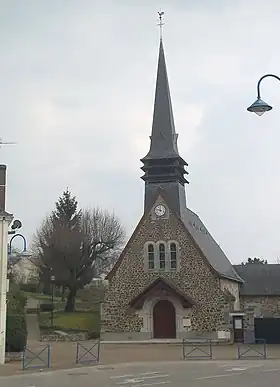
(164, 318)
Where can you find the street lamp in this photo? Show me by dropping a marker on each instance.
(259, 106)
(52, 310)
(23, 254)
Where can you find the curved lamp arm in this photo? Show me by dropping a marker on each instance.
(265, 76)
(13, 237)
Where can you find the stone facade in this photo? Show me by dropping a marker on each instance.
(262, 306)
(259, 306)
(195, 279)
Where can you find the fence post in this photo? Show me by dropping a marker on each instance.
(77, 353)
(23, 358)
(49, 355)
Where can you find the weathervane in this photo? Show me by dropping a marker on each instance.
(161, 22)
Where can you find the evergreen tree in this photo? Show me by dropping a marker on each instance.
(253, 261)
(71, 245)
(66, 211)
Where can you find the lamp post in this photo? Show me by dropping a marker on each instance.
(5, 220)
(259, 106)
(52, 310)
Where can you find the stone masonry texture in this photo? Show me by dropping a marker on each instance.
(195, 279)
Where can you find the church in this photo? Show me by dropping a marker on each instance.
(172, 280)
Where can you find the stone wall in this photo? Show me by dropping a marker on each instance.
(13, 356)
(259, 306)
(195, 279)
(55, 337)
(262, 306)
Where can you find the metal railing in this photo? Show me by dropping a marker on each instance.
(252, 350)
(197, 349)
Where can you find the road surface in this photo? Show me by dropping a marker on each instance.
(176, 374)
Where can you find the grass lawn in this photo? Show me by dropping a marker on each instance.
(40, 297)
(46, 297)
(76, 321)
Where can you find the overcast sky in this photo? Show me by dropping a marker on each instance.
(76, 94)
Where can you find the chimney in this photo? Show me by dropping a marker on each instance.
(3, 187)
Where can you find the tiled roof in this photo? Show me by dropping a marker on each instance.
(209, 247)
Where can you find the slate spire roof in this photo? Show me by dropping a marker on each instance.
(163, 138)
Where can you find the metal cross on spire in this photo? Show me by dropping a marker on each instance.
(161, 22)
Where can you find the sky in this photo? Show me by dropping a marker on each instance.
(77, 81)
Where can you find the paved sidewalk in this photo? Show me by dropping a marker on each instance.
(63, 354)
(32, 323)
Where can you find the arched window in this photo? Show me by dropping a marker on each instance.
(151, 257)
(173, 256)
(161, 256)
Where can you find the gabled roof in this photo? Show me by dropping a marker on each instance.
(259, 279)
(211, 251)
(161, 284)
(209, 247)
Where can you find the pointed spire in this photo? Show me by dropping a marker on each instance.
(164, 137)
(162, 166)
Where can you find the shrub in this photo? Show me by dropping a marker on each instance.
(16, 302)
(16, 333)
(30, 288)
(46, 306)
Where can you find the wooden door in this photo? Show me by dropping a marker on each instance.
(164, 318)
(238, 328)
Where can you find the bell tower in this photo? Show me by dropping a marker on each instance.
(163, 166)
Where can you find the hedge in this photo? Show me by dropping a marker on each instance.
(46, 306)
(16, 333)
(30, 288)
(16, 302)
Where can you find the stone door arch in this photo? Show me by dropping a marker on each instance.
(164, 320)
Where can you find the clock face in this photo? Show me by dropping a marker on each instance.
(160, 210)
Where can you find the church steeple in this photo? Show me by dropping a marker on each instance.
(163, 138)
(163, 165)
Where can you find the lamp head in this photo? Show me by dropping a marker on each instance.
(16, 224)
(26, 254)
(259, 107)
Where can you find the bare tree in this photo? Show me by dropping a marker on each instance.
(74, 255)
(14, 259)
(105, 264)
